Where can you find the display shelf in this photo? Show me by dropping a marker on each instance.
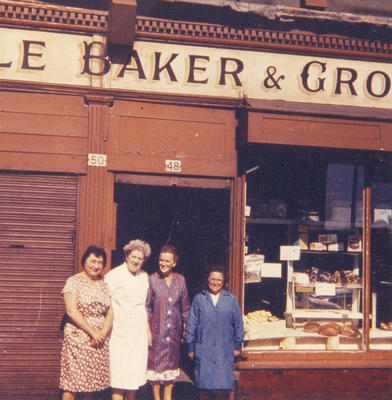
(349, 286)
(376, 333)
(268, 330)
(322, 225)
(380, 339)
(305, 302)
(277, 336)
(278, 329)
(300, 310)
(271, 221)
(284, 221)
(325, 314)
(331, 253)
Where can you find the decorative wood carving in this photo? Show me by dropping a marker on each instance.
(68, 19)
(97, 191)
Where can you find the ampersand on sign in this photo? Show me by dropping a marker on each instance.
(270, 81)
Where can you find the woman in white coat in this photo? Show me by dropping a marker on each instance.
(128, 345)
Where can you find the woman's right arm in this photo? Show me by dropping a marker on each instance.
(108, 323)
(77, 318)
(150, 300)
(149, 309)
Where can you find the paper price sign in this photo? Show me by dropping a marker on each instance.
(290, 253)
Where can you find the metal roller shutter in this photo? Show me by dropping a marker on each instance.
(37, 254)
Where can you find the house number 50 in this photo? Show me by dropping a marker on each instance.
(97, 160)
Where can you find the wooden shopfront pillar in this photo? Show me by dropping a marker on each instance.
(237, 237)
(97, 212)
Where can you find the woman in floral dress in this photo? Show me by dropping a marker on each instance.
(85, 354)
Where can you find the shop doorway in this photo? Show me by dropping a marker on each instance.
(194, 219)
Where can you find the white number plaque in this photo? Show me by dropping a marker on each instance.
(97, 160)
(173, 166)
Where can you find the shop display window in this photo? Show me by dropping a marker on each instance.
(304, 242)
(381, 257)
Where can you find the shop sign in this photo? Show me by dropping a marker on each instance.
(193, 70)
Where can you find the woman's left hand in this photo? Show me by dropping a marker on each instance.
(97, 338)
(237, 353)
(149, 337)
(182, 340)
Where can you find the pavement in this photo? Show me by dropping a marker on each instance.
(183, 389)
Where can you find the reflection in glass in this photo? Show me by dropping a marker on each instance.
(381, 260)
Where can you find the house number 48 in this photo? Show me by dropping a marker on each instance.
(173, 166)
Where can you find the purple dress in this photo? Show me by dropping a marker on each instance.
(168, 308)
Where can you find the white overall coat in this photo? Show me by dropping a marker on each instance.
(128, 345)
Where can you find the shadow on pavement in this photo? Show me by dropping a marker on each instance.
(183, 389)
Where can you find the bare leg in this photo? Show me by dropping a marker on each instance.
(203, 395)
(87, 396)
(156, 390)
(69, 396)
(117, 394)
(131, 394)
(167, 390)
(221, 395)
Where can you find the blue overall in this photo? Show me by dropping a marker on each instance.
(212, 334)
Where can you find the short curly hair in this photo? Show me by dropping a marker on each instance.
(215, 268)
(137, 244)
(168, 248)
(97, 251)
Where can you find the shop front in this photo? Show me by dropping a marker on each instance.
(316, 282)
(272, 159)
(82, 164)
(174, 171)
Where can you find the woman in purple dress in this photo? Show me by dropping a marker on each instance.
(168, 308)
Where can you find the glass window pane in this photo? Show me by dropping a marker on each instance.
(302, 272)
(381, 260)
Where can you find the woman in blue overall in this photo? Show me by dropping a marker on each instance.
(214, 333)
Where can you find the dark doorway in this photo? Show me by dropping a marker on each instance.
(195, 220)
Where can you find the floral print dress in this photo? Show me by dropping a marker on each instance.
(83, 367)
